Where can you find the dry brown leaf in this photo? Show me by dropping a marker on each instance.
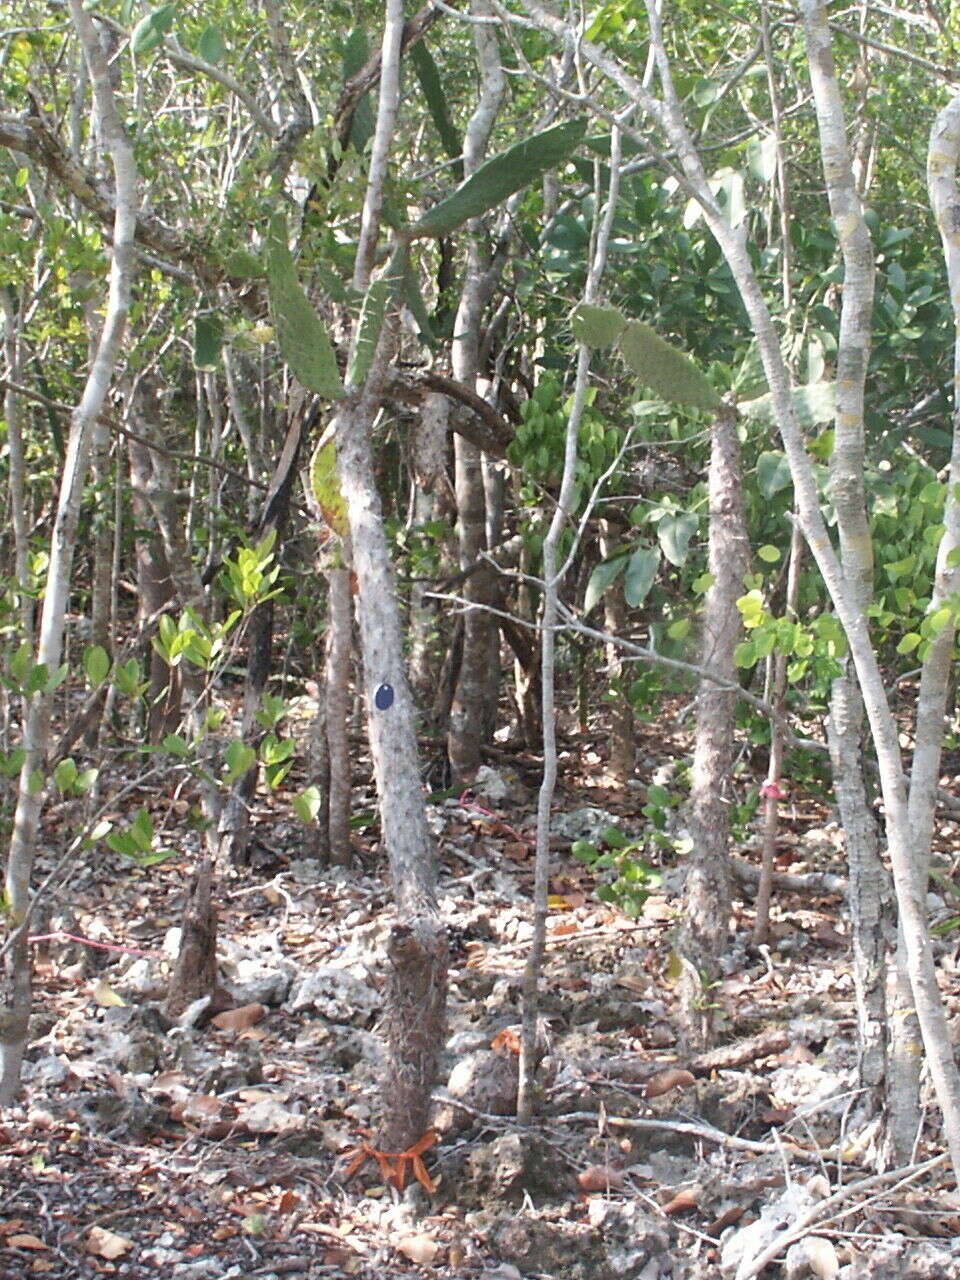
(421, 1248)
(107, 1244)
(506, 1041)
(25, 1241)
(664, 1081)
(686, 1198)
(239, 1019)
(733, 1213)
(600, 1177)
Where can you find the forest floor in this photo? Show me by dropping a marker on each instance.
(218, 1150)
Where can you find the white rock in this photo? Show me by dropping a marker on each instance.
(335, 994)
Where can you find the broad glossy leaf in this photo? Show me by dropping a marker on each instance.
(815, 405)
(603, 575)
(356, 51)
(432, 86)
(96, 663)
(664, 368)
(501, 176)
(674, 534)
(300, 331)
(773, 473)
(641, 575)
(211, 46)
(150, 30)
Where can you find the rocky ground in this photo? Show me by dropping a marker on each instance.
(222, 1147)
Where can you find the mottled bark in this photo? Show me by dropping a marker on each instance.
(477, 670)
(417, 947)
(337, 699)
(706, 894)
(195, 971)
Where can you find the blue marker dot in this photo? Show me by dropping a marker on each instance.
(383, 698)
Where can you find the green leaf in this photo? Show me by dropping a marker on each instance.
(432, 88)
(211, 46)
(773, 473)
(96, 663)
(815, 405)
(909, 642)
(665, 369)
(641, 575)
(307, 805)
(496, 180)
(325, 484)
(141, 831)
(596, 326)
(674, 534)
(65, 774)
(238, 758)
(769, 554)
(603, 575)
(300, 332)
(149, 31)
(207, 341)
(356, 51)
(176, 745)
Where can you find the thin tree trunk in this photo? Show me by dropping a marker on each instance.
(706, 894)
(417, 943)
(18, 493)
(623, 746)
(771, 790)
(337, 703)
(529, 1047)
(466, 734)
(15, 995)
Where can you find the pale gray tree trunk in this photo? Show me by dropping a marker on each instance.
(337, 703)
(706, 894)
(15, 994)
(552, 576)
(866, 871)
(477, 671)
(417, 942)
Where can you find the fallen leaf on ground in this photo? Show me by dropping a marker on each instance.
(664, 1081)
(600, 1177)
(107, 1244)
(686, 1198)
(105, 996)
(239, 1019)
(25, 1241)
(420, 1248)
